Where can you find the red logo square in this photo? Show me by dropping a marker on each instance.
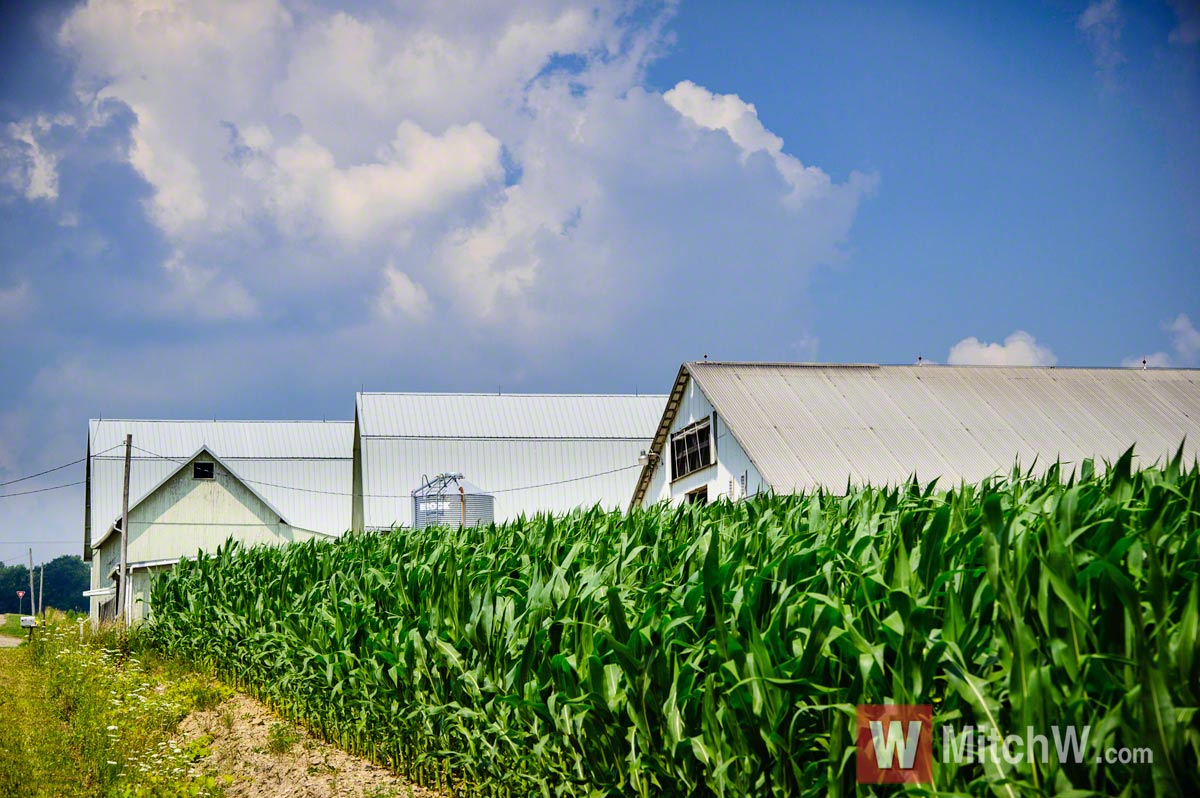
(895, 744)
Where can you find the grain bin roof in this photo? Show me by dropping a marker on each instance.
(808, 425)
(301, 468)
(561, 450)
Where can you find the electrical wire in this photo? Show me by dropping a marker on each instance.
(40, 490)
(56, 468)
(397, 496)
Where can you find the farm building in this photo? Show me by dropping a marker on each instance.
(530, 453)
(195, 484)
(735, 429)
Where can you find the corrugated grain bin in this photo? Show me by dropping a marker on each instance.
(449, 500)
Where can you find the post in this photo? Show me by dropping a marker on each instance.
(42, 591)
(122, 609)
(32, 595)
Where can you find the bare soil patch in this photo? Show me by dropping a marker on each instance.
(270, 758)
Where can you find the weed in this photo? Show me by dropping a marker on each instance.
(281, 738)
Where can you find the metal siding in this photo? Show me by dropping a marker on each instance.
(393, 468)
(814, 425)
(499, 442)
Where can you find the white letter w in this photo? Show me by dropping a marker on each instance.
(886, 745)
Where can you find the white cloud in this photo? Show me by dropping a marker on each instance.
(1018, 349)
(402, 298)
(1184, 338)
(739, 120)
(508, 159)
(203, 293)
(416, 173)
(16, 301)
(31, 168)
(1101, 24)
(1185, 346)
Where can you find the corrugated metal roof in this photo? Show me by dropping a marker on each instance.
(805, 425)
(458, 415)
(577, 450)
(302, 468)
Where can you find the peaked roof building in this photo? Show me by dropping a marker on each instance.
(737, 428)
(300, 468)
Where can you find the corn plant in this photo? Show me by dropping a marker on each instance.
(721, 651)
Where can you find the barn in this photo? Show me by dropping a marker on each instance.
(195, 484)
(530, 453)
(735, 429)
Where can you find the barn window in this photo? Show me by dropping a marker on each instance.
(691, 448)
(698, 496)
(202, 471)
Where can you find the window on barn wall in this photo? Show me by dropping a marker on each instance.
(691, 448)
(698, 496)
(202, 470)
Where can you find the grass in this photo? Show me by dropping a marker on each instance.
(11, 627)
(36, 758)
(93, 719)
(722, 651)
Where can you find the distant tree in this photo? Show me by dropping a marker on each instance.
(66, 579)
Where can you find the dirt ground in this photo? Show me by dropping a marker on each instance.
(242, 734)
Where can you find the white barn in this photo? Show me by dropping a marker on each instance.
(735, 429)
(195, 484)
(532, 453)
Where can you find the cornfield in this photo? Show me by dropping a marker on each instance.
(721, 651)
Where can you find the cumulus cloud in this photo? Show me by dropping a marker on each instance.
(1018, 349)
(1185, 346)
(30, 167)
(417, 173)
(203, 293)
(509, 161)
(402, 298)
(739, 120)
(1101, 24)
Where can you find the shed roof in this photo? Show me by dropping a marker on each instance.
(809, 425)
(300, 468)
(532, 452)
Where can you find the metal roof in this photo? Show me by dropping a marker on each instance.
(809, 425)
(301, 468)
(462, 415)
(533, 453)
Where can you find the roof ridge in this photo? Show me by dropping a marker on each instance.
(517, 395)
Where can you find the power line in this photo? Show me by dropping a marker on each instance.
(399, 496)
(42, 473)
(40, 490)
(52, 470)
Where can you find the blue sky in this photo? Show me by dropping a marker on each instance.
(253, 210)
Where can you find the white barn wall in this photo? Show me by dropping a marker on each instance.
(723, 478)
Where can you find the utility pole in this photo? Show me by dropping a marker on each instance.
(122, 589)
(42, 591)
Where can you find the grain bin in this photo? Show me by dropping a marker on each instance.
(449, 500)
